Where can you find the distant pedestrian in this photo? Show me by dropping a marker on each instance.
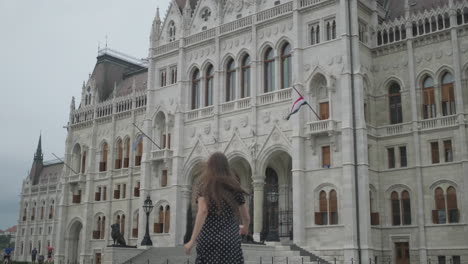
(33, 255)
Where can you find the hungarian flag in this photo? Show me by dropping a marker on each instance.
(296, 106)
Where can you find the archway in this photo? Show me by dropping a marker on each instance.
(74, 241)
(241, 168)
(191, 207)
(277, 201)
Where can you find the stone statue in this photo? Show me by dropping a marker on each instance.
(117, 236)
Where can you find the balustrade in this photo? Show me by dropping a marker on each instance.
(275, 11)
(276, 96)
(124, 104)
(306, 3)
(200, 36)
(237, 24)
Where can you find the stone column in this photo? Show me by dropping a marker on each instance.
(258, 188)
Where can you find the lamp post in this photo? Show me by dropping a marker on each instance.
(272, 197)
(147, 207)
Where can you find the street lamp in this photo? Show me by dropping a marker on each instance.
(147, 207)
(272, 198)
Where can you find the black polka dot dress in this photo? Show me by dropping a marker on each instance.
(219, 241)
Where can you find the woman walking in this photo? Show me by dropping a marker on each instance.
(220, 199)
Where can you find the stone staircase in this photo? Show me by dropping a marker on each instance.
(271, 253)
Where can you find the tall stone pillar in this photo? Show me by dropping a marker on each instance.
(258, 188)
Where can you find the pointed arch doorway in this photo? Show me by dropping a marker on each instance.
(74, 242)
(277, 210)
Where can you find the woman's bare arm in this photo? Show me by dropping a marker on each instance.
(200, 219)
(244, 213)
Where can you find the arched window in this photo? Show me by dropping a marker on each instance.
(245, 76)
(33, 212)
(196, 89)
(97, 231)
(429, 107)
(315, 34)
(269, 70)
(439, 214)
(396, 217)
(136, 218)
(209, 85)
(230, 80)
(83, 162)
(103, 227)
(25, 212)
(396, 114)
(42, 210)
(448, 97)
(452, 205)
(375, 218)
(331, 29)
(127, 153)
(321, 217)
(333, 208)
(139, 152)
(167, 219)
(406, 208)
(171, 31)
(118, 161)
(104, 152)
(51, 210)
(76, 160)
(286, 67)
(159, 225)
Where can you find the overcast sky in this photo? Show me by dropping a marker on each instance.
(47, 50)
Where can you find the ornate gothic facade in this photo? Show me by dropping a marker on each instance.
(379, 171)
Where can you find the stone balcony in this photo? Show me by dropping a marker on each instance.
(75, 178)
(321, 127)
(162, 154)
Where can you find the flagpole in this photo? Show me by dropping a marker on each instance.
(307, 103)
(65, 163)
(144, 134)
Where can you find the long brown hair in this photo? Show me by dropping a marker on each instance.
(218, 183)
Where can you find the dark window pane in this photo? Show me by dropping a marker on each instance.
(391, 158)
(403, 158)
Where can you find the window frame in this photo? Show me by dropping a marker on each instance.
(246, 70)
(286, 62)
(269, 66)
(230, 80)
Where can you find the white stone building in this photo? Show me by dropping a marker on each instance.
(380, 174)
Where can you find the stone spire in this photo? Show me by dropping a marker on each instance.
(155, 29)
(38, 155)
(37, 164)
(72, 104)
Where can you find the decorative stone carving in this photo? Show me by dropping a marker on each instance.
(244, 121)
(227, 125)
(193, 130)
(207, 129)
(266, 117)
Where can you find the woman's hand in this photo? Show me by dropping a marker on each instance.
(243, 230)
(188, 247)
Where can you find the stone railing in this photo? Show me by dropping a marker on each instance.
(83, 114)
(275, 11)
(236, 24)
(276, 96)
(389, 130)
(320, 127)
(123, 104)
(421, 23)
(199, 37)
(199, 113)
(236, 105)
(306, 3)
(106, 108)
(167, 48)
(441, 122)
(161, 154)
